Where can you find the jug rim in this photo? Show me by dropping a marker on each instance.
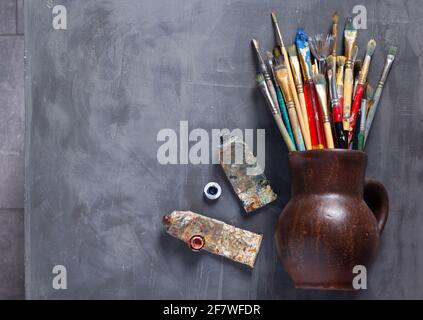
(344, 152)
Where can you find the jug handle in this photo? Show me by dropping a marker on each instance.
(376, 198)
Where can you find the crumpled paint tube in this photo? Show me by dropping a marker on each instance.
(246, 176)
(214, 236)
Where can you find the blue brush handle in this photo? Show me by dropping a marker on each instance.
(284, 113)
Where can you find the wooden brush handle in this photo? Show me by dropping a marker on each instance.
(348, 89)
(284, 132)
(304, 127)
(328, 134)
(301, 117)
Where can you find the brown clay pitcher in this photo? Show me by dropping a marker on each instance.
(333, 221)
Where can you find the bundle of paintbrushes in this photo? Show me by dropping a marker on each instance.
(317, 98)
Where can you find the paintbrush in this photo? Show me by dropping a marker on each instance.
(335, 20)
(263, 69)
(356, 131)
(282, 76)
(269, 61)
(335, 103)
(279, 40)
(321, 47)
(314, 119)
(350, 36)
(296, 72)
(369, 94)
(357, 68)
(371, 46)
(362, 129)
(388, 64)
(320, 83)
(340, 63)
(282, 104)
(261, 82)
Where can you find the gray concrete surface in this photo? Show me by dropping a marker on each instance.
(12, 127)
(98, 94)
(12, 258)
(8, 12)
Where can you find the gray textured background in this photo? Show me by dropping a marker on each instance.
(96, 97)
(12, 126)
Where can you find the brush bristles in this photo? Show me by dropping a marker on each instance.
(340, 61)
(292, 51)
(319, 79)
(393, 51)
(335, 18)
(259, 77)
(354, 53)
(371, 46)
(269, 55)
(349, 25)
(357, 65)
(281, 72)
(278, 62)
(276, 52)
(255, 43)
(320, 45)
(274, 19)
(330, 61)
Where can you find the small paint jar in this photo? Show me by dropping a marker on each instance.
(212, 190)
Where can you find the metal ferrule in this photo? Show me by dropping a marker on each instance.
(321, 93)
(332, 88)
(386, 68)
(364, 70)
(266, 93)
(363, 117)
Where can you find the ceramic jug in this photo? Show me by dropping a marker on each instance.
(333, 221)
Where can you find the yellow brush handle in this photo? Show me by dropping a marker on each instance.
(306, 136)
(328, 134)
(348, 89)
(284, 132)
(300, 115)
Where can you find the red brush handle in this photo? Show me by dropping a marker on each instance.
(314, 115)
(310, 117)
(337, 110)
(355, 107)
